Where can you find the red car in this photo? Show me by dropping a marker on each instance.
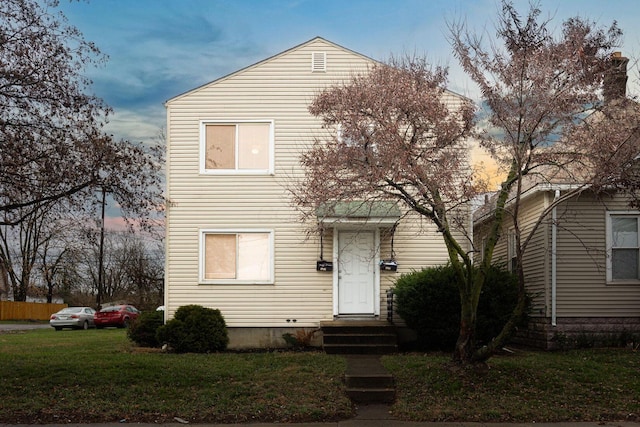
(116, 315)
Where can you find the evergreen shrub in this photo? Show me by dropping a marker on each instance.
(143, 330)
(429, 302)
(195, 329)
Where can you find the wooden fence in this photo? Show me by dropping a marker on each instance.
(11, 310)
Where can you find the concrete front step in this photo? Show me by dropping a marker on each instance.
(359, 337)
(369, 395)
(360, 348)
(367, 381)
(373, 381)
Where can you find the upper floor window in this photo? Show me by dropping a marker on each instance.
(236, 147)
(623, 258)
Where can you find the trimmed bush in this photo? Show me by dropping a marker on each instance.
(498, 299)
(195, 329)
(143, 330)
(429, 302)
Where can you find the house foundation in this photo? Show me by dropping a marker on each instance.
(580, 332)
(268, 338)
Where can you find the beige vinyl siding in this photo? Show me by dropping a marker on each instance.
(278, 89)
(536, 259)
(416, 245)
(582, 286)
(581, 290)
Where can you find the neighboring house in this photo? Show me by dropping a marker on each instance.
(582, 267)
(234, 239)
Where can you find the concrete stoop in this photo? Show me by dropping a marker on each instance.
(359, 337)
(367, 381)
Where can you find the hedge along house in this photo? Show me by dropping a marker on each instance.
(235, 242)
(582, 266)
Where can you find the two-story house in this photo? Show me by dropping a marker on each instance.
(234, 240)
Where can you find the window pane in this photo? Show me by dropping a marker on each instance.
(221, 152)
(220, 256)
(624, 264)
(625, 232)
(253, 146)
(254, 260)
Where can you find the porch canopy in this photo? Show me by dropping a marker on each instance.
(382, 213)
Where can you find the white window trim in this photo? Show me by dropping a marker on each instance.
(203, 149)
(202, 252)
(609, 244)
(483, 246)
(511, 249)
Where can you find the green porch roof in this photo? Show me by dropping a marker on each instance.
(359, 209)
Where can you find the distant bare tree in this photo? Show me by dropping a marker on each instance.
(52, 145)
(53, 151)
(144, 268)
(57, 261)
(133, 269)
(50, 130)
(21, 246)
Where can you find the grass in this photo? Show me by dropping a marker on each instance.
(584, 385)
(99, 376)
(96, 376)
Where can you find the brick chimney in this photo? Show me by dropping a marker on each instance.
(615, 79)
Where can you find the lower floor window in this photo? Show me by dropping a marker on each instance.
(231, 257)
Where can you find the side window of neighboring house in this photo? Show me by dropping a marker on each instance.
(512, 252)
(241, 147)
(236, 257)
(623, 260)
(483, 246)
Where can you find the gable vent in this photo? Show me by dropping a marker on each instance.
(318, 62)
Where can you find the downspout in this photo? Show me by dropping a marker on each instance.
(471, 249)
(554, 278)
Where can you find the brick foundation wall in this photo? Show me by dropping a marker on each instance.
(576, 332)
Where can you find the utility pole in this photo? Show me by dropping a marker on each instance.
(101, 254)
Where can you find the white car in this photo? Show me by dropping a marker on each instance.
(73, 317)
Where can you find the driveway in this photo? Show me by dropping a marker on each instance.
(9, 327)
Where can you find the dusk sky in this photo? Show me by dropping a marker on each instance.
(158, 49)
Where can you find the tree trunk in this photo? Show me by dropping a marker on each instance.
(465, 346)
(19, 293)
(485, 352)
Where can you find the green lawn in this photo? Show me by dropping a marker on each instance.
(99, 376)
(582, 385)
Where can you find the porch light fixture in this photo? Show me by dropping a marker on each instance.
(390, 264)
(321, 264)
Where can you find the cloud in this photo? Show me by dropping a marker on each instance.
(137, 125)
(160, 49)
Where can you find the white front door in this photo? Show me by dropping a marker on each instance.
(356, 272)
